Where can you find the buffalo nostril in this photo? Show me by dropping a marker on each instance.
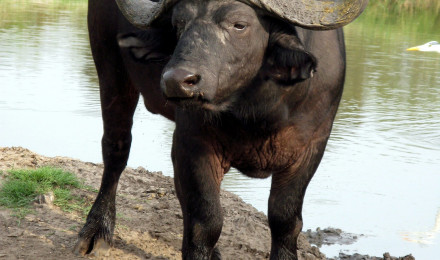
(191, 80)
(179, 83)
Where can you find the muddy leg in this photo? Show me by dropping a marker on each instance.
(96, 235)
(118, 111)
(197, 182)
(118, 103)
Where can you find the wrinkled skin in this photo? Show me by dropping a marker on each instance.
(239, 86)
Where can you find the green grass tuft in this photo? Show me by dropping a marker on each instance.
(17, 193)
(21, 187)
(46, 177)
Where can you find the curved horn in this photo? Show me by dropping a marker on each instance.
(309, 14)
(314, 14)
(141, 13)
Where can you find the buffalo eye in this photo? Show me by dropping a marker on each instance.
(240, 26)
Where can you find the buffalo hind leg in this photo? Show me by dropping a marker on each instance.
(118, 103)
(117, 109)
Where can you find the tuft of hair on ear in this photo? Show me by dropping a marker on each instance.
(287, 61)
(151, 45)
(291, 65)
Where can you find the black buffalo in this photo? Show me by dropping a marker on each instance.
(246, 88)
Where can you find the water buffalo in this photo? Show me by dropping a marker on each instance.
(246, 87)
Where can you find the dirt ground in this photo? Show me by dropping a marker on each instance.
(149, 221)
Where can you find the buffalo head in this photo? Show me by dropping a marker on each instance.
(221, 47)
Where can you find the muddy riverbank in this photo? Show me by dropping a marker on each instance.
(149, 221)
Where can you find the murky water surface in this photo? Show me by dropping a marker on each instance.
(380, 176)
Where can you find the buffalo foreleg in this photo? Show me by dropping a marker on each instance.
(117, 109)
(285, 204)
(197, 176)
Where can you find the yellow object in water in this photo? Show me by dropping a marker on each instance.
(429, 47)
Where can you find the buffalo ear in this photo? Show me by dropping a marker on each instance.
(151, 45)
(287, 61)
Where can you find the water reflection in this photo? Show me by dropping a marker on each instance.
(381, 171)
(382, 164)
(426, 237)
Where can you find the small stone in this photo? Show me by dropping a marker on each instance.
(161, 192)
(13, 232)
(47, 198)
(152, 189)
(141, 169)
(387, 256)
(138, 207)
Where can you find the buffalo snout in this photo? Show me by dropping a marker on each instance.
(180, 84)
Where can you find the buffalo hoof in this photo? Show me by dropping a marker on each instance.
(95, 238)
(92, 247)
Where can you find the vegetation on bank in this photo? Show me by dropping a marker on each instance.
(403, 4)
(406, 5)
(394, 18)
(24, 13)
(399, 5)
(22, 187)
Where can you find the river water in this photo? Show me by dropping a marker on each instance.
(380, 176)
